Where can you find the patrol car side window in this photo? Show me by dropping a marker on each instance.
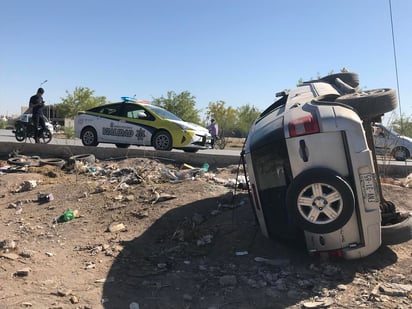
(106, 110)
(136, 114)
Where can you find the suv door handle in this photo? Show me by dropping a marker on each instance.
(302, 150)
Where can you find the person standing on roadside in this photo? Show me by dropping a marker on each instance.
(36, 104)
(214, 131)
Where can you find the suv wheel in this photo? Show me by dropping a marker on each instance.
(371, 103)
(320, 200)
(352, 79)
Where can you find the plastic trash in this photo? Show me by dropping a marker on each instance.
(68, 215)
(44, 198)
(205, 167)
(134, 305)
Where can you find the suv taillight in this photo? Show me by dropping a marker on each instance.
(304, 125)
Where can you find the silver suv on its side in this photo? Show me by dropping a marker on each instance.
(312, 169)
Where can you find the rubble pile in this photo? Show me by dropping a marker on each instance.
(139, 233)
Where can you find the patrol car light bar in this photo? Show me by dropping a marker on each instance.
(128, 99)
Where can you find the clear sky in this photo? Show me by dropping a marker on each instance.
(238, 51)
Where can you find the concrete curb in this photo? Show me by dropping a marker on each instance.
(101, 153)
(178, 157)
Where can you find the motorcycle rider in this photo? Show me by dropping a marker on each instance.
(37, 103)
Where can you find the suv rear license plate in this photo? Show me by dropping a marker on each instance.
(369, 187)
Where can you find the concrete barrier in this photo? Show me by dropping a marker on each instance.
(390, 168)
(102, 153)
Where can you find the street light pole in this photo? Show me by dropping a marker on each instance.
(48, 109)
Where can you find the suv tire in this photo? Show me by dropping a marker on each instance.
(371, 103)
(320, 200)
(397, 233)
(352, 79)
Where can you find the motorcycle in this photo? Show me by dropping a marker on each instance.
(26, 130)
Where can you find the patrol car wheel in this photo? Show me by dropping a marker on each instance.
(371, 103)
(89, 137)
(320, 200)
(162, 141)
(400, 153)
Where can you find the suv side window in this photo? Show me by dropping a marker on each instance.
(279, 103)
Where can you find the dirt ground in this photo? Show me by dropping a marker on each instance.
(153, 235)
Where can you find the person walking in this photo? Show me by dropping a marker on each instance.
(36, 104)
(214, 131)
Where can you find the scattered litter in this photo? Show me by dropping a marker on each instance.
(74, 299)
(44, 198)
(27, 253)
(68, 215)
(89, 265)
(240, 253)
(104, 280)
(161, 197)
(321, 303)
(10, 256)
(8, 244)
(228, 280)
(178, 176)
(205, 167)
(204, 240)
(274, 262)
(134, 305)
(63, 293)
(27, 185)
(116, 227)
(22, 272)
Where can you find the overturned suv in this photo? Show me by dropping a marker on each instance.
(313, 173)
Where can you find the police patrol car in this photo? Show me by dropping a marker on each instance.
(132, 122)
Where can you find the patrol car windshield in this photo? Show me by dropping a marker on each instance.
(163, 113)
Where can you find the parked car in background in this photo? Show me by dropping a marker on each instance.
(312, 172)
(28, 117)
(132, 123)
(389, 142)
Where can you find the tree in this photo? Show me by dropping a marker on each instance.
(403, 125)
(183, 105)
(225, 117)
(81, 99)
(246, 115)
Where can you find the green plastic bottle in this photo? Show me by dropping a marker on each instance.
(67, 216)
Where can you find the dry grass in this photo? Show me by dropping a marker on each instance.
(234, 142)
